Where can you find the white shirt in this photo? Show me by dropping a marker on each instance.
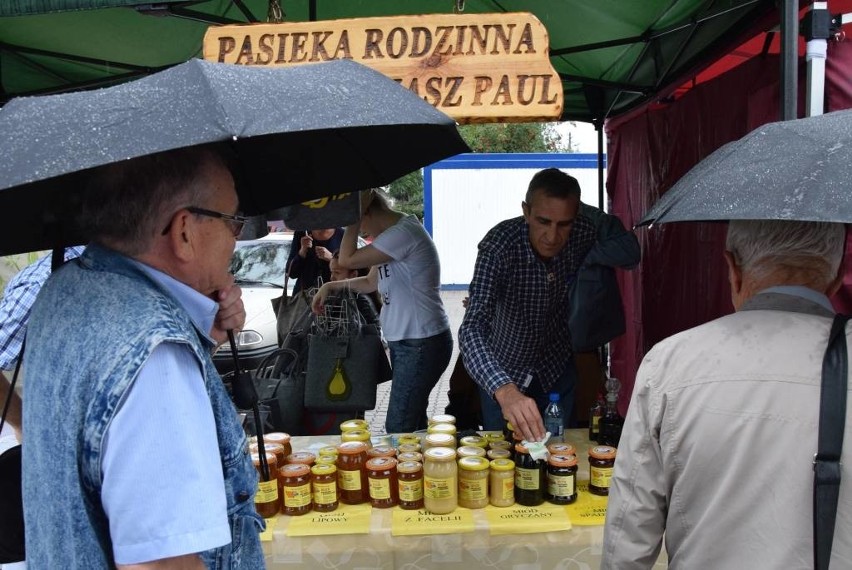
(410, 284)
(163, 487)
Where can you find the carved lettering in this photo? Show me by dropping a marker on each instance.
(282, 42)
(418, 32)
(226, 46)
(460, 33)
(545, 92)
(503, 91)
(502, 38)
(526, 40)
(433, 91)
(264, 46)
(318, 52)
(393, 51)
(482, 83)
(479, 39)
(372, 49)
(343, 46)
(443, 33)
(299, 53)
(246, 57)
(448, 100)
(522, 83)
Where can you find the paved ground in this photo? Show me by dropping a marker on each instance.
(438, 397)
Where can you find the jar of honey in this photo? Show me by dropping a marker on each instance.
(328, 450)
(530, 478)
(562, 479)
(601, 464)
(275, 448)
(382, 480)
(440, 480)
(326, 460)
(498, 454)
(324, 487)
(303, 457)
(492, 436)
(500, 444)
(351, 473)
(408, 448)
(410, 479)
(561, 449)
(266, 500)
(448, 429)
(296, 484)
(473, 441)
(502, 483)
(473, 482)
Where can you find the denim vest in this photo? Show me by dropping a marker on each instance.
(93, 326)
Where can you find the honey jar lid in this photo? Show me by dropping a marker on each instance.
(326, 460)
(276, 437)
(409, 467)
(442, 419)
(474, 440)
(509, 426)
(410, 456)
(294, 470)
(351, 447)
(305, 457)
(561, 449)
(498, 453)
(494, 436)
(602, 452)
(270, 457)
(502, 464)
(408, 447)
(562, 460)
(324, 469)
(352, 425)
(355, 435)
(408, 438)
(381, 463)
(470, 451)
(442, 428)
(440, 440)
(440, 454)
(473, 463)
(381, 451)
(327, 450)
(521, 448)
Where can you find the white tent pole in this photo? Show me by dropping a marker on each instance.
(815, 58)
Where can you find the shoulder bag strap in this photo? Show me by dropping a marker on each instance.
(12, 386)
(832, 420)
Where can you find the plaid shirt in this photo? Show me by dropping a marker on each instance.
(15, 305)
(517, 321)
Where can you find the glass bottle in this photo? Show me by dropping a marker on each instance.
(440, 480)
(595, 415)
(562, 479)
(554, 418)
(601, 465)
(351, 476)
(611, 423)
(530, 478)
(502, 483)
(410, 481)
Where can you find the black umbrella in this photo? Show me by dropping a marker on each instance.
(790, 170)
(300, 133)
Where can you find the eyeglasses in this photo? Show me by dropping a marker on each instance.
(234, 221)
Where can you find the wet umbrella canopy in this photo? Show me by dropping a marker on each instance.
(792, 170)
(299, 133)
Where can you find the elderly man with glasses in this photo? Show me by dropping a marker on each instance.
(135, 457)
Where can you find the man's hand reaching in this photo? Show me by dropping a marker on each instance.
(521, 411)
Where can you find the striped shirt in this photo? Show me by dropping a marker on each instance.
(516, 325)
(15, 305)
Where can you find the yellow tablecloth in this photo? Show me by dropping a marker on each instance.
(578, 547)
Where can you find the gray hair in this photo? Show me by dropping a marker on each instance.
(761, 247)
(128, 204)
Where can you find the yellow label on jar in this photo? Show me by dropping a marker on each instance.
(379, 488)
(297, 496)
(411, 491)
(527, 479)
(267, 492)
(508, 489)
(349, 480)
(601, 476)
(470, 490)
(595, 421)
(439, 488)
(325, 493)
(560, 485)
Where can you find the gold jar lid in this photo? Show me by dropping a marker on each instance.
(409, 467)
(502, 464)
(442, 428)
(355, 435)
(410, 456)
(327, 450)
(440, 440)
(500, 444)
(408, 438)
(352, 425)
(351, 447)
(474, 440)
(324, 469)
(440, 454)
(326, 460)
(499, 454)
(408, 447)
(494, 436)
(470, 451)
(473, 463)
(442, 419)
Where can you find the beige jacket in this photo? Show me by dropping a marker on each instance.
(718, 446)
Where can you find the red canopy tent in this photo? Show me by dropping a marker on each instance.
(682, 281)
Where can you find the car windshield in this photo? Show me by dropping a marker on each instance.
(260, 262)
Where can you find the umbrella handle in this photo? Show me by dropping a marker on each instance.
(245, 396)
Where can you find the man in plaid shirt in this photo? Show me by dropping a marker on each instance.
(15, 305)
(514, 338)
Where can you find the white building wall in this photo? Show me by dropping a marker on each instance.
(466, 203)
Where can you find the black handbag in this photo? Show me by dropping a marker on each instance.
(832, 422)
(292, 312)
(11, 497)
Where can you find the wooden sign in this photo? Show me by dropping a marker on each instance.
(477, 68)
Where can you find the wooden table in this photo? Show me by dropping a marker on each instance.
(577, 548)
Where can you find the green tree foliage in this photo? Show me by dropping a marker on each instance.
(407, 192)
